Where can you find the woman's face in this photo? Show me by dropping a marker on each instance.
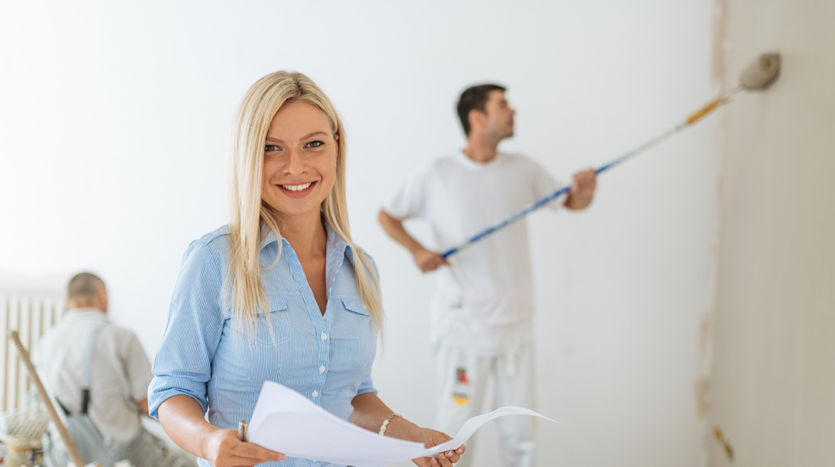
(300, 155)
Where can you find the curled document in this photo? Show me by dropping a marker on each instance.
(286, 422)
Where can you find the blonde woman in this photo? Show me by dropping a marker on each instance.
(281, 293)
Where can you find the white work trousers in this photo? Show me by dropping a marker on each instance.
(461, 382)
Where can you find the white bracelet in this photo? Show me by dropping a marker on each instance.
(386, 423)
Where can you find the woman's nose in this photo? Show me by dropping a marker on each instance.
(294, 163)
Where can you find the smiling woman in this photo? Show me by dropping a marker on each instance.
(281, 115)
(299, 167)
(279, 294)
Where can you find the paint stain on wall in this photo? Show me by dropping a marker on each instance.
(723, 441)
(706, 336)
(701, 385)
(702, 390)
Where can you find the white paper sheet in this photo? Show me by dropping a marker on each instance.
(286, 422)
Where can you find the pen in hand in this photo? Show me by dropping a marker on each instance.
(242, 426)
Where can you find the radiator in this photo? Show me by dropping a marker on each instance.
(31, 316)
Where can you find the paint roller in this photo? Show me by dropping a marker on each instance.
(756, 77)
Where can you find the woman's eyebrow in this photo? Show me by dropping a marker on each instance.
(314, 133)
(276, 140)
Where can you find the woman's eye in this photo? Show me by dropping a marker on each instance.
(270, 148)
(315, 144)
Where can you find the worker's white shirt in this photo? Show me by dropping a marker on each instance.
(120, 374)
(485, 298)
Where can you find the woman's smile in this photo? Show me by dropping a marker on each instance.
(297, 190)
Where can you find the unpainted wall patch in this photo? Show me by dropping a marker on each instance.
(720, 41)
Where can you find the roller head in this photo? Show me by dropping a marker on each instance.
(760, 74)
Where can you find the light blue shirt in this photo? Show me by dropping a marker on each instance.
(205, 354)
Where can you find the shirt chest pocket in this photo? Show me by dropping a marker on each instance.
(353, 321)
(273, 327)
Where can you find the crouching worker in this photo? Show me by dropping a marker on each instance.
(97, 374)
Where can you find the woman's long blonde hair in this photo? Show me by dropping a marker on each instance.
(250, 218)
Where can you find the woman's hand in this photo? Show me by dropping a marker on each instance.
(431, 438)
(369, 412)
(223, 449)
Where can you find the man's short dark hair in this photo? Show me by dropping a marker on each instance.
(83, 287)
(474, 98)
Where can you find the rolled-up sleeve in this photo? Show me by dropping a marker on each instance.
(367, 385)
(183, 364)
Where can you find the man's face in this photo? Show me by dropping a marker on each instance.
(499, 122)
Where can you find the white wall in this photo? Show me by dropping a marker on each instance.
(114, 122)
(773, 375)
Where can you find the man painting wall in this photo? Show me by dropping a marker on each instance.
(481, 313)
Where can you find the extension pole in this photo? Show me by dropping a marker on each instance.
(692, 119)
(53, 414)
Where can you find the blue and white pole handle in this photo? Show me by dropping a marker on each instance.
(693, 118)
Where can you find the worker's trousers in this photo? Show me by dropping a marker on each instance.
(461, 384)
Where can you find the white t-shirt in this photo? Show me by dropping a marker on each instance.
(120, 374)
(485, 297)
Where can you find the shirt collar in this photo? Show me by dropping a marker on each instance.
(269, 238)
(83, 313)
(336, 244)
(471, 164)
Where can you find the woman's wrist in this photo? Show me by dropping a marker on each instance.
(386, 421)
(183, 421)
(400, 428)
(207, 441)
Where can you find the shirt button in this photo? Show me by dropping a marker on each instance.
(324, 336)
(315, 394)
(322, 369)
